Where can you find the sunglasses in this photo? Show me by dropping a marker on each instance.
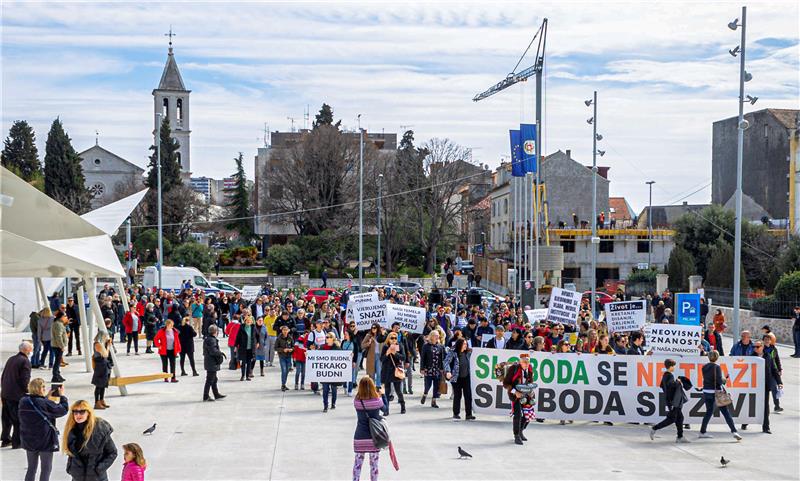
(79, 411)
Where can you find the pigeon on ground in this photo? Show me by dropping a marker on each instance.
(463, 454)
(724, 462)
(150, 429)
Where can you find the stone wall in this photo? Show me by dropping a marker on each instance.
(781, 327)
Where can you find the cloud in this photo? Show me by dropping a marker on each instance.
(662, 72)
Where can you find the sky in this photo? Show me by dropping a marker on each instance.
(661, 69)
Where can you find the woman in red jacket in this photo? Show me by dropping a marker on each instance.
(169, 346)
(132, 323)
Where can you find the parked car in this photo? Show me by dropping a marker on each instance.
(467, 267)
(321, 294)
(602, 297)
(225, 287)
(407, 285)
(172, 277)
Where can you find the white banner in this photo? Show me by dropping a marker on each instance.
(536, 315)
(329, 366)
(614, 388)
(564, 306)
(678, 339)
(625, 316)
(411, 318)
(249, 293)
(358, 299)
(369, 313)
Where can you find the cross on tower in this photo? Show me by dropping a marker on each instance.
(170, 35)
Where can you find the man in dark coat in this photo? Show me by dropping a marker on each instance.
(675, 398)
(74, 326)
(518, 373)
(212, 359)
(772, 377)
(13, 385)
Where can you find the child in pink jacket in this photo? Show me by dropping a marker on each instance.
(135, 464)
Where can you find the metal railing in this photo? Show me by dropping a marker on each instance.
(13, 310)
(760, 304)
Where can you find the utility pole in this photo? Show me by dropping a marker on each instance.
(742, 125)
(538, 145)
(378, 257)
(595, 239)
(650, 225)
(360, 205)
(160, 225)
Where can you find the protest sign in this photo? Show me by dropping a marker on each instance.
(359, 299)
(564, 306)
(329, 366)
(411, 318)
(536, 315)
(673, 339)
(368, 313)
(249, 293)
(614, 388)
(625, 316)
(687, 309)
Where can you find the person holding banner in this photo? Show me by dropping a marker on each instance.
(431, 366)
(392, 370)
(331, 344)
(713, 382)
(457, 371)
(519, 373)
(675, 398)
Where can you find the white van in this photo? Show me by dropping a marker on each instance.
(172, 278)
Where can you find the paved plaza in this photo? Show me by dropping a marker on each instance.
(259, 433)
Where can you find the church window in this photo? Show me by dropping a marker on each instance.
(165, 108)
(179, 110)
(178, 158)
(97, 190)
(96, 161)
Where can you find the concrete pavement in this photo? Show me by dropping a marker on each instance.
(259, 433)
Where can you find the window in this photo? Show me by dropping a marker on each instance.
(179, 110)
(165, 108)
(96, 161)
(570, 274)
(606, 244)
(505, 206)
(97, 190)
(568, 246)
(642, 245)
(199, 281)
(178, 158)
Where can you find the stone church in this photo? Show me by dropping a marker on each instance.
(110, 177)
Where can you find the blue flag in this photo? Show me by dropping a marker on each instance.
(528, 137)
(517, 169)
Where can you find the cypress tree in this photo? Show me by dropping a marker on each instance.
(239, 206)
(63, 175)
(19, 152)
(170, 166)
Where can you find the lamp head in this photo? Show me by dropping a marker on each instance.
(599, 137)
(587, 102)
(601, 152)
(734, 51)
(734, 24)
(590, 120)
(752, 99)
(747, 76)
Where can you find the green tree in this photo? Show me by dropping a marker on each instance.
(789, 258)
(63, 175)
(170, 164)
(680, 266)
(193, 254)
(20, 154)
(283, 259)
(325, 117)
(145, 245)
(239, 208)
(720, 268)
(788, 288)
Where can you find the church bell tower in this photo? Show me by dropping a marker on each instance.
(171, 99)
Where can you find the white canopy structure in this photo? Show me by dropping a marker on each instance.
(41, 238)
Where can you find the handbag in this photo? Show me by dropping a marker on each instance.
(399, 372)
(378, 430)
(442, 386)
(722, 397)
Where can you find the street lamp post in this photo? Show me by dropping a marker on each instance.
(158, 175)
(378, 257)
(360, 205)
(595, 240)
(741, 126)
(650, 224)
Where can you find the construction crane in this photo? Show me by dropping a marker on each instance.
(513, 78)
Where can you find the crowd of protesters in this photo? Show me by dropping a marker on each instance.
(283, 324)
